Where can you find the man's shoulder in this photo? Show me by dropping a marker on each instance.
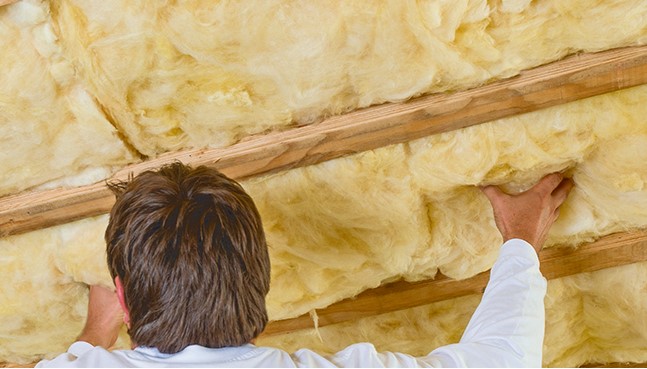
(82, 354)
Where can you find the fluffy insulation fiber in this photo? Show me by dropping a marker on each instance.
(601, 142)
(348, 224)
(88, 86)
(205, 73)
(52, 129)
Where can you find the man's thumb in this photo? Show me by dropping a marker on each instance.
(493, 193)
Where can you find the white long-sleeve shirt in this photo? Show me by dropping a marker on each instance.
(507, 330)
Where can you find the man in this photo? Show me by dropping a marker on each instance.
(189, 260)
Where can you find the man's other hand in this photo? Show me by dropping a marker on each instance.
(105, 318)
(529, 215)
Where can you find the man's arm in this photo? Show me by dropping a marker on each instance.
(102, 326)
(507, 328)
(104, 319)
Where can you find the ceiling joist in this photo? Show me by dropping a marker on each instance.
(610, 251)
(573, 78)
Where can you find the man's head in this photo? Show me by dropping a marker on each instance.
(189, 250)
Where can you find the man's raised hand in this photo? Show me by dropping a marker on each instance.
(530, 214)
(105, 318)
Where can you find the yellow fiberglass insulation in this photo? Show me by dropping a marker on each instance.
(590, 318)
(345, 225)
(88, 85)
(52, 129)
(595, 317)
(203, 73)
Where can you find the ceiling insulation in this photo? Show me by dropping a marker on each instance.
(89, 87)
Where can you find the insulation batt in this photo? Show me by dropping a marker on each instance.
(197, 73)
(590, 318)
(349, 224)
(90, 85)
(52, 129)
(602, 143)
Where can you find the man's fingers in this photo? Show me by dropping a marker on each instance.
(549, 183)
(493, 193)
(562, 190)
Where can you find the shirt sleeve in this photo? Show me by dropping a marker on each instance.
(507, 328)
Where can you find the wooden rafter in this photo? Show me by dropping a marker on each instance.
(626, 364)
(610, 251)
(573, 78)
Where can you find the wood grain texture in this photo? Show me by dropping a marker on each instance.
(626, 364)
(573, 78)
(610, 251)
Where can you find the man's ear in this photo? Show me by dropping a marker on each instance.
(122, 300)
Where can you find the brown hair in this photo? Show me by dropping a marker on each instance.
(189, 248)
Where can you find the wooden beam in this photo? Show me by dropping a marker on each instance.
(625, 364)
(610, 251)
(573, 78)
